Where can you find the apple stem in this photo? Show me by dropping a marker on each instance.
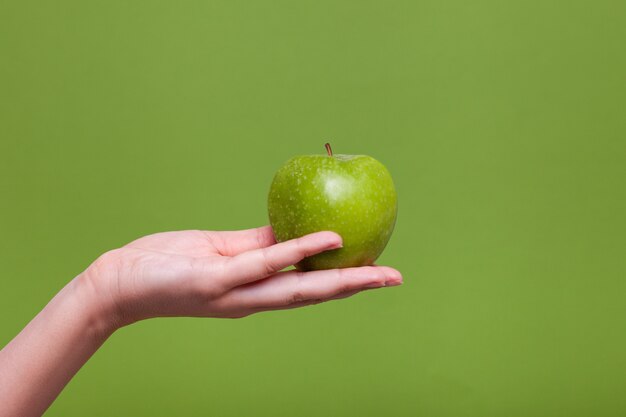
(328, 149)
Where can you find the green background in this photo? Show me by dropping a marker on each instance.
(502, 122)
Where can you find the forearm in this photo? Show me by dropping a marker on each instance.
(45, 355)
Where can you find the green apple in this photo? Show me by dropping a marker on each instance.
(352, 195)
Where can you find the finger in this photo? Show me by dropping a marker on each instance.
(312, 302)
(260, 263)
(231, 243)
(294, 289)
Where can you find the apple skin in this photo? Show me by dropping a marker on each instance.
(352, 195)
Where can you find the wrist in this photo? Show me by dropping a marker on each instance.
(99, 310)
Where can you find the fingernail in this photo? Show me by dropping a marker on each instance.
(334, 240)
(393, 282)
(336, 245)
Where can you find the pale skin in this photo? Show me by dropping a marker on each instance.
(188, 273)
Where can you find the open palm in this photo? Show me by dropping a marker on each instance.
(224, 274)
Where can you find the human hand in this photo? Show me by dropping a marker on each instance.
(221, 274)
(188, 273)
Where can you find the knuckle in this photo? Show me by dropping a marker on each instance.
(298, 276)
(269, 265)
(259, 236)
(295, 298)
(208, 280)
(299, 245)
(343, 288)
(341, 275)
(303, 248)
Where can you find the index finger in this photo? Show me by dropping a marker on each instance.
(260, 263)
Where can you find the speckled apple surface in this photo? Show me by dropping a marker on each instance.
(352, 195)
